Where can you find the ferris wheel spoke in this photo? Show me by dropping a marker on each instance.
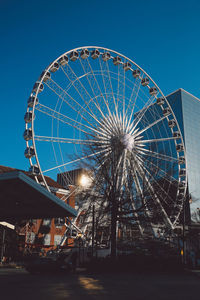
(74, 161)
(111, 123)
(110, 86)
(66, 197)
(135, 209)
(97, 85)
(120, 169)
(157, 155)
(80, 88)
(123, 97)
(149, 126)
(105, 158)
(105, 89)
(145, 104)
(93, 83)
(156, 140)
(158, 170)
(158, 161)
(68, 99)
(134, 170)
(65, 140)
(120, 89)
(134, 93)
(140, 189)
(132, 204)
(142, 112)
(150, 191)
(156, 182)
(154, 195)
(65, 119)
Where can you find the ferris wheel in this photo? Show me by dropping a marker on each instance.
(98, 98)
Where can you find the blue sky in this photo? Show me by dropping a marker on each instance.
(161, 36)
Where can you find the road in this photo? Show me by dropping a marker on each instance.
(18, 284)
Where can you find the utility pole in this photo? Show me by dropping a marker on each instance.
(93, 228)
(3, 244)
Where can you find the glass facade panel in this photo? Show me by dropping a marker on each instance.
(187, 110)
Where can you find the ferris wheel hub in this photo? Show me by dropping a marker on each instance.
(121, 138)
(123, 142)
(128, 141)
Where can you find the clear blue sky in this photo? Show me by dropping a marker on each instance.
(163, 37)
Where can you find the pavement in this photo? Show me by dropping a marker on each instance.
(17, 284)
(194, 272)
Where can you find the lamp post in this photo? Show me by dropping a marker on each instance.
(79, 248)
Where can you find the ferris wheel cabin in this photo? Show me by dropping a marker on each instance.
(31, 101)
(38, 87)
(106, 56)
(28, 134)
(145, 81)
(45, 76)
(179, 148)
(153, 91)
(63, 60)
(29, 152)
(136, 73)
(84, 53)
(73, 55)
(160, 101)
(181, 160)
(127, 66)
(172, 123)
(34, 170)
(176, 134)
(54, 68)
(95, 54)
(166, 111)
(117, 60)
(28, 117)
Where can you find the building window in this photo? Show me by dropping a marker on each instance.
(59, 222)
(46, 222)
(57, 239)
(30, 237)
(47, 240)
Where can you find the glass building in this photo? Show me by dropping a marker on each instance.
(186, 108)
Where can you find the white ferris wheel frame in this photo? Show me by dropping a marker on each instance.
(137, 66)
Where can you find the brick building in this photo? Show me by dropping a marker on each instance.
(44, 227)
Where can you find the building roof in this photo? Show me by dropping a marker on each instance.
(182, 90)
(50, 181)
(21, 197)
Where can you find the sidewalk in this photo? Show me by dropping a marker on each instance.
(10, 266)
(194, 271)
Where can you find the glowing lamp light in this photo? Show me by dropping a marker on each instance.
(85, 181)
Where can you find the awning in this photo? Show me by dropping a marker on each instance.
(23, 198)
(7, 225)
